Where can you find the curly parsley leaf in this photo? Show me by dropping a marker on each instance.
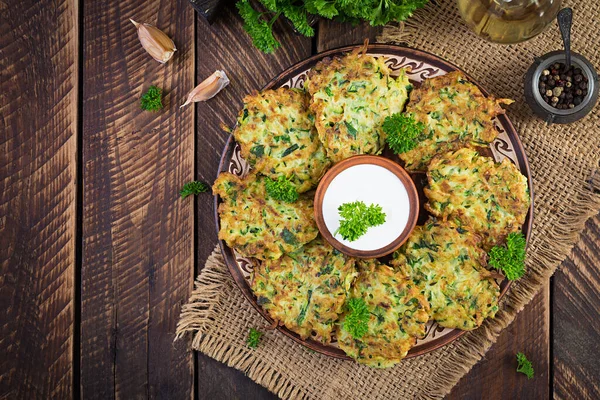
(524, 365)
(510, 258)
(357, 218)
(259, 29)
(402, 132)
(281, 189)
(193, 187)
(253, 338)
(152, 99)
(299, 18)
(356, 322)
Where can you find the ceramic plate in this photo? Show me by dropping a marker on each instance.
(422, 65)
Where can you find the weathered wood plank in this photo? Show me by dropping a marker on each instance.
(225, 45)
(38, 170)
(576, 328)
(496, 376)
(334, 34)
(137, 232)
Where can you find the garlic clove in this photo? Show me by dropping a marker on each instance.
(155, 42)
(208, 88)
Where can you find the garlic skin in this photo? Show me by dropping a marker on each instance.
(208, 88)
(155, 42)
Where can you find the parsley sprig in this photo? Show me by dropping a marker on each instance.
(524, 365)
(152, 99)
(253, 338)
(510, 258)
(193, 187)
(357, 218)
(402, 132)
(356, 322)
(281, 189)
(260, 25)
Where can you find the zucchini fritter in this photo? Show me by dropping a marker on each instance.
(351, 96)
(257, 225)
(398, 315)
(305, 290)
(493, 199)
(277, 137)
(455, 114)
(446, 262)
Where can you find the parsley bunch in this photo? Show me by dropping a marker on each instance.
(259, 25)
(356, 322)
(193, 187)
(524, 365)
(357, 218)
(281, 189)
(402, 132)
(253, 338)
(510, 258)
(152, 99)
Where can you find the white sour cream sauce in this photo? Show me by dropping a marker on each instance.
(371, 184)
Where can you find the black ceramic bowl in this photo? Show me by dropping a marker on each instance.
(545, 110)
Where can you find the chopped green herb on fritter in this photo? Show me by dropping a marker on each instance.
(253, 338)
(402, 132)
(524, 365)
(357, 319)
(510, 259)
(281, 189)
(357, 218)
(193, 187)
(152, 99)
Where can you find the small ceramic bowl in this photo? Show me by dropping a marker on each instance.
(373, 180)
(545, 110)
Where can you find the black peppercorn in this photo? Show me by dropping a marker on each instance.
(577, 101)
(550, 82)
(578, 78)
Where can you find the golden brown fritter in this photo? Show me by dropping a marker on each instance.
(258, 226)
(492, 198)
(398, 315)
(351, 96)
(277, 137)
(305, 290)
(455, 114)
(447, 264)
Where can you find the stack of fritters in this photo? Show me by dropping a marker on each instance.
(398, 315)
(277, 137)
(455, 114)
(447, 264)
(258, 226)
(350, 97)
(491, 198)
(305, 290)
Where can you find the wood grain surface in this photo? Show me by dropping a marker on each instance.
(38, 171)
(98, 251)
(138, 233)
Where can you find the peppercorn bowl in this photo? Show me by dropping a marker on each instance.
(564, 100)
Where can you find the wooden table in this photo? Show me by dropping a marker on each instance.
(97, 250)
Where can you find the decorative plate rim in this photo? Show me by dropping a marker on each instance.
(378, 49)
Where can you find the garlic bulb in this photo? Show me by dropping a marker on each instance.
(155, 42)
(208, 88)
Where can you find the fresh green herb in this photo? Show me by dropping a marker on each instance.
(281, 189)
(357, 218)
(152, 99)
(253, 338)
(356, 322)
(193, 187)
(402, 132)
(377, 12)
(259, 29)
(524, 365)
(510, 258)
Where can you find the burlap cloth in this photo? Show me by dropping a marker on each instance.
(564, 161)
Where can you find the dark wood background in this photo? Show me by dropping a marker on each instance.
(97, 250)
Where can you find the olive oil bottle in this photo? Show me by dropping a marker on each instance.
(508, 21)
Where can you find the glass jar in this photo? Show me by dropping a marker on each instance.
(508, 21)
